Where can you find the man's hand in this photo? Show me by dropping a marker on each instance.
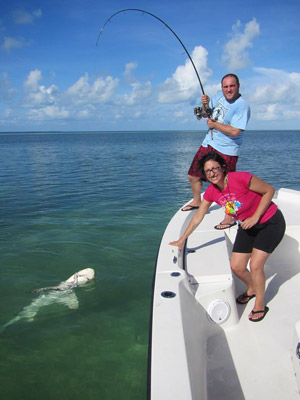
(205, 99)
(211, 122)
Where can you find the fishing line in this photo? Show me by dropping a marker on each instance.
(159, 19)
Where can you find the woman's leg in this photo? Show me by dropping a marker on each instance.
(257, 263)
(239, 262)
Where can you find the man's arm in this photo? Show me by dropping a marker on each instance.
(226, 129)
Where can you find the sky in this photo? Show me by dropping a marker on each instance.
(55, 76)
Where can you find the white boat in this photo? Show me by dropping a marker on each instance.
(202, 345)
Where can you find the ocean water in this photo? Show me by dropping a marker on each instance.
(102, 200)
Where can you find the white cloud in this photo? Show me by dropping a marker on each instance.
(268, 112)
(103, 90)
(100, 91)
(6, 91)
(33, 79)
(129, 72)
(24, 17)
(276, 95)
(86, 112)
(43, 95)
(277, 86)
(48, 113)
(235, 55)
(39, 95)
(12, 43)
(78, 101)
(139, 92)
(20, 17)
(184, 85)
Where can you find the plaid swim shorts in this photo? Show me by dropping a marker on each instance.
(194, 170)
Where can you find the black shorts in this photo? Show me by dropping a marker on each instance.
(265, 237)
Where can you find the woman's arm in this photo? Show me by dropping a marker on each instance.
(267, 191)
(196, 220)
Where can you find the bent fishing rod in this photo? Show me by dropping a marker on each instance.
(200, 112)
(159, 19)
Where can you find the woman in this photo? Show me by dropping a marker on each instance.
(261, 225)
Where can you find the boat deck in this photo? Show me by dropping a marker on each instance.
(254, 360)
(195, 358)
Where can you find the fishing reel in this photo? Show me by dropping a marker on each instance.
(202, 112)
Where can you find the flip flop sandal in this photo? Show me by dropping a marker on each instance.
(244, 298)
(224, 225)
(190, 208)
(258, 312)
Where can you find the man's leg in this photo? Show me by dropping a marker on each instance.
(196, 185)
(195, 178)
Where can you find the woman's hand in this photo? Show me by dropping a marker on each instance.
(249, 222)
(196, 220)
(178, 243)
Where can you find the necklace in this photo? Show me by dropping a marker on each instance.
(231, 206)
(225, 184)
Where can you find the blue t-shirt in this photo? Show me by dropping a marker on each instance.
(236, 114)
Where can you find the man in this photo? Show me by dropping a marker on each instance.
(227, 124)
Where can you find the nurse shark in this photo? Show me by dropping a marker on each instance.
(62, 293)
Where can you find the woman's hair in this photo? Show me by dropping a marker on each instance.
(214, 157)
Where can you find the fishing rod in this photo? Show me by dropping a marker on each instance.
(200, 112)
(159, 19)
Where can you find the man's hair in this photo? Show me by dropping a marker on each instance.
(233, 76)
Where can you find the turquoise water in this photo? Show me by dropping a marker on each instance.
(103, 200)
